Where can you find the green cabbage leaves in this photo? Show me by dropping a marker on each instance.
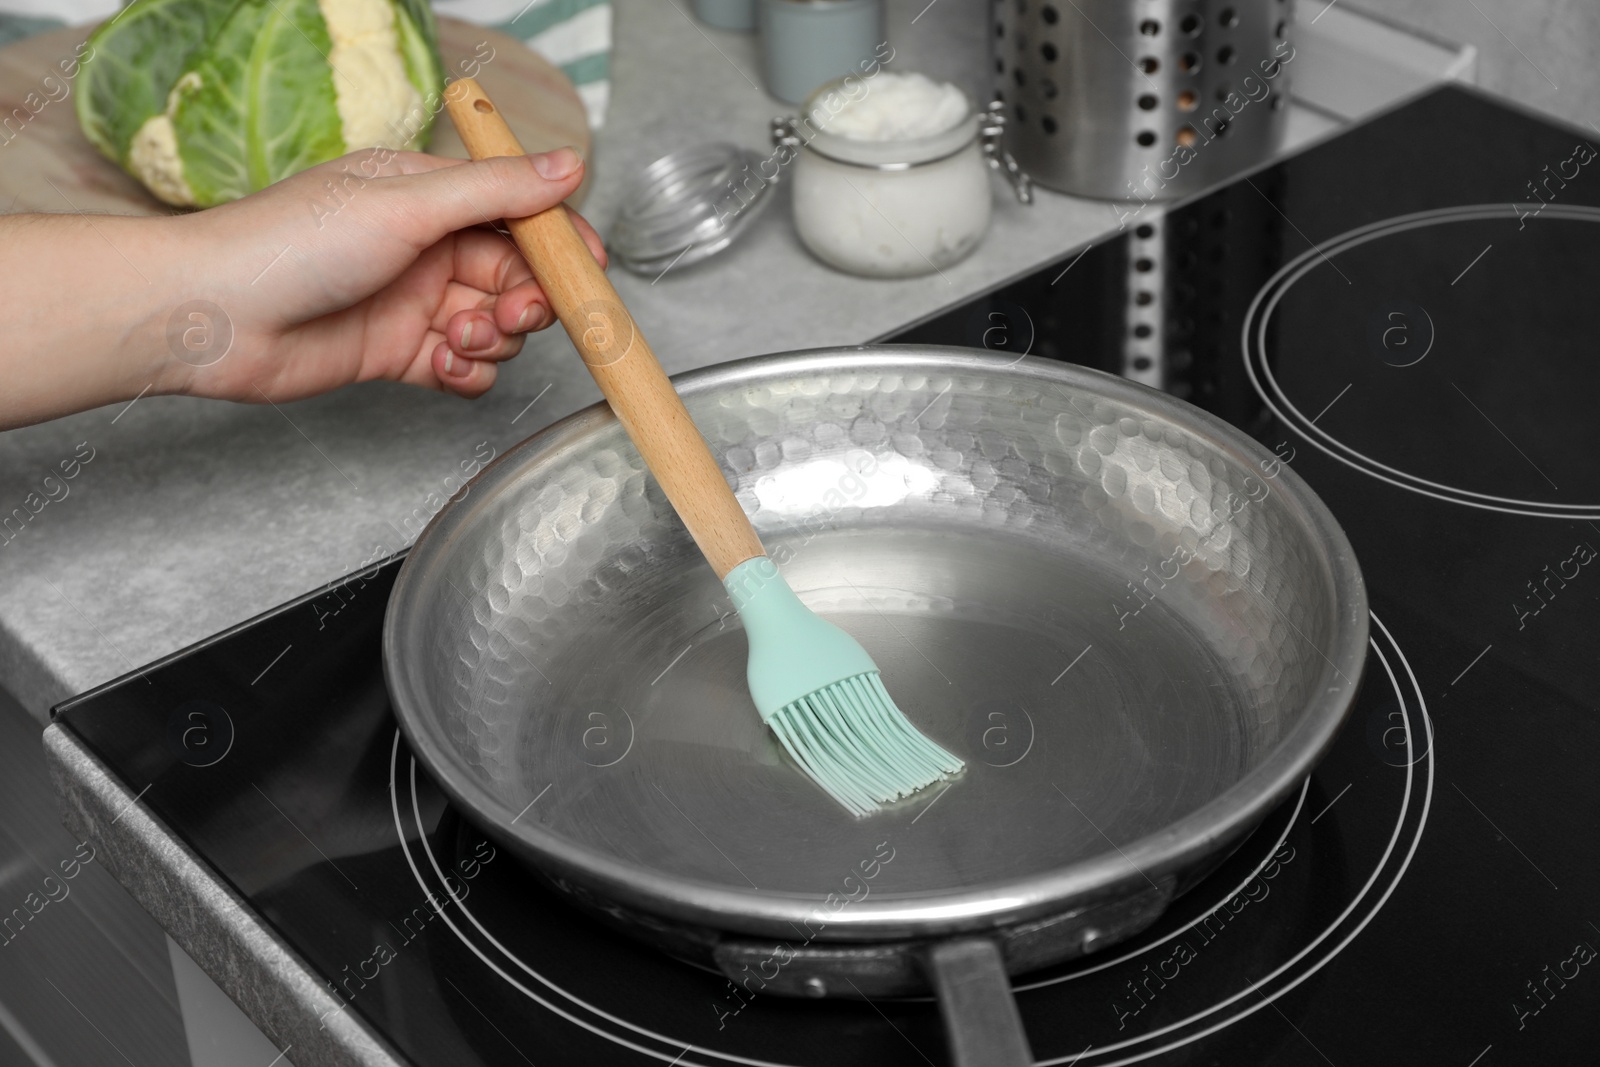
(205, 101)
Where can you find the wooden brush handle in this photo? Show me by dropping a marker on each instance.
(615, 352)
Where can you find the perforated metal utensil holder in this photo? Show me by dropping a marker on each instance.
(1141, 99)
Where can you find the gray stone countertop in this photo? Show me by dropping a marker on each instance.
(193, 515)
(188, 516)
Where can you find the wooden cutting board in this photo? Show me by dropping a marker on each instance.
(48, 165)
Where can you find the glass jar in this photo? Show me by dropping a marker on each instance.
(891, 209)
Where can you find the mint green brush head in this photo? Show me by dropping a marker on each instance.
(819, 691)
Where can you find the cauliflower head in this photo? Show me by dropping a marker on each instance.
(206, 100)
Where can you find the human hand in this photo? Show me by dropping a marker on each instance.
(373, 266)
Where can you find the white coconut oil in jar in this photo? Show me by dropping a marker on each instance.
(890, 180)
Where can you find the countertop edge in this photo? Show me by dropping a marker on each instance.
(269, 982)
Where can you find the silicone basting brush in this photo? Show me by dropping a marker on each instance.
(814, 685)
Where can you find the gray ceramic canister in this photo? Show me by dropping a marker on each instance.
(805, 43)
(727, 14)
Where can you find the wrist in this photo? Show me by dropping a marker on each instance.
(172, 325)
(132, 276)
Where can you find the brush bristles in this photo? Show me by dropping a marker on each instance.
(852, 740)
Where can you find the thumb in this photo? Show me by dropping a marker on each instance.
(441, 196)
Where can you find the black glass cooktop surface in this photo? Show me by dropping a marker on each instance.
(1403, 315)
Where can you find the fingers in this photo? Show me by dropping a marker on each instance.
(400, 164)
(370, 163)
(442, 209)
(465, 377)
(523, 309)
(474, 334)
(433, 201)
(590, 238)
(387, 162)
(488, 262)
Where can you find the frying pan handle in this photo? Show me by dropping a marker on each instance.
(980, 1016)
(615, 352)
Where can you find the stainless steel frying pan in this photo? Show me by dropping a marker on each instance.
(1137, 627)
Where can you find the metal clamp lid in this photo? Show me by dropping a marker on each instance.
(785, 132)
(991, 132)
(687, 206)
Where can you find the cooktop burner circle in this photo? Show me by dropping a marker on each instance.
(1253, 995)
(1412, 314)
(1402, 786)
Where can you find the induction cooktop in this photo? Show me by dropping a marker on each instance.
(1403, 315)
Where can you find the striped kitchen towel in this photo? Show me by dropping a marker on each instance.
(575, 35)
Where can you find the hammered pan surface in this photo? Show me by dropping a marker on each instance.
(1135, 627)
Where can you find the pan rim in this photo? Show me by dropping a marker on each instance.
(1158, 858)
